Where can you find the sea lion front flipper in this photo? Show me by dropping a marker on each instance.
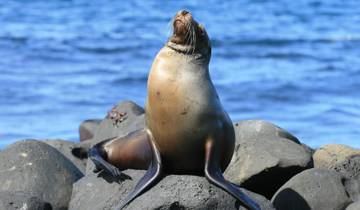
(151, 177)
(214, 175)
(95, 155)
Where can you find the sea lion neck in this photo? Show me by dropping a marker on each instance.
(188, 50)
(185, 49)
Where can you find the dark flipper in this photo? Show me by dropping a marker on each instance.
(80, 153)
(95, 154)
(151, 177)
(81, 150)
(214, 175)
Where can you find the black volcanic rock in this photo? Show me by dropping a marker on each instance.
(21, 201)
(100, 192)
(36, 168)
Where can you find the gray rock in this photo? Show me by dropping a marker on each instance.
(309, 150)
(65, 148)
(265, 157)
(354, 206)
(35, 167)
(88, 128)
(102, 192)
(352, 186)
(133, 120)
(313, 189)
(338, 157)
(343, 159)
(22, 201)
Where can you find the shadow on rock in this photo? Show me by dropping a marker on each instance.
(110, 179)
(293, 201)
(260, 182)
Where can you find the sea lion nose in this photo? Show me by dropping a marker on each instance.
(183, 12)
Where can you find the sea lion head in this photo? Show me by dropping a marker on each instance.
(188, 35)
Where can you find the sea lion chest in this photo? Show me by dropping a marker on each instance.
(182, 106)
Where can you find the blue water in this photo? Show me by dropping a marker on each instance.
(294, 63)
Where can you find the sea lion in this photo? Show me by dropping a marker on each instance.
(187, 130)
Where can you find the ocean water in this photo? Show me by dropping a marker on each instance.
(293, 63)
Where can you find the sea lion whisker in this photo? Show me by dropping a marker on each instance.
(187, 35)
(170, 28)
(193, 43)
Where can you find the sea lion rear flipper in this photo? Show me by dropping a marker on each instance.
(214, 175)
(152, 176)
(100, 163)
(81, 149)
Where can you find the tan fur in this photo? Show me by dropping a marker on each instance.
(183, 109)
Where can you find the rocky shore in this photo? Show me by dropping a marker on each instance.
(269, 164)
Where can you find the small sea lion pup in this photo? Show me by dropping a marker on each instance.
(187, 130)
